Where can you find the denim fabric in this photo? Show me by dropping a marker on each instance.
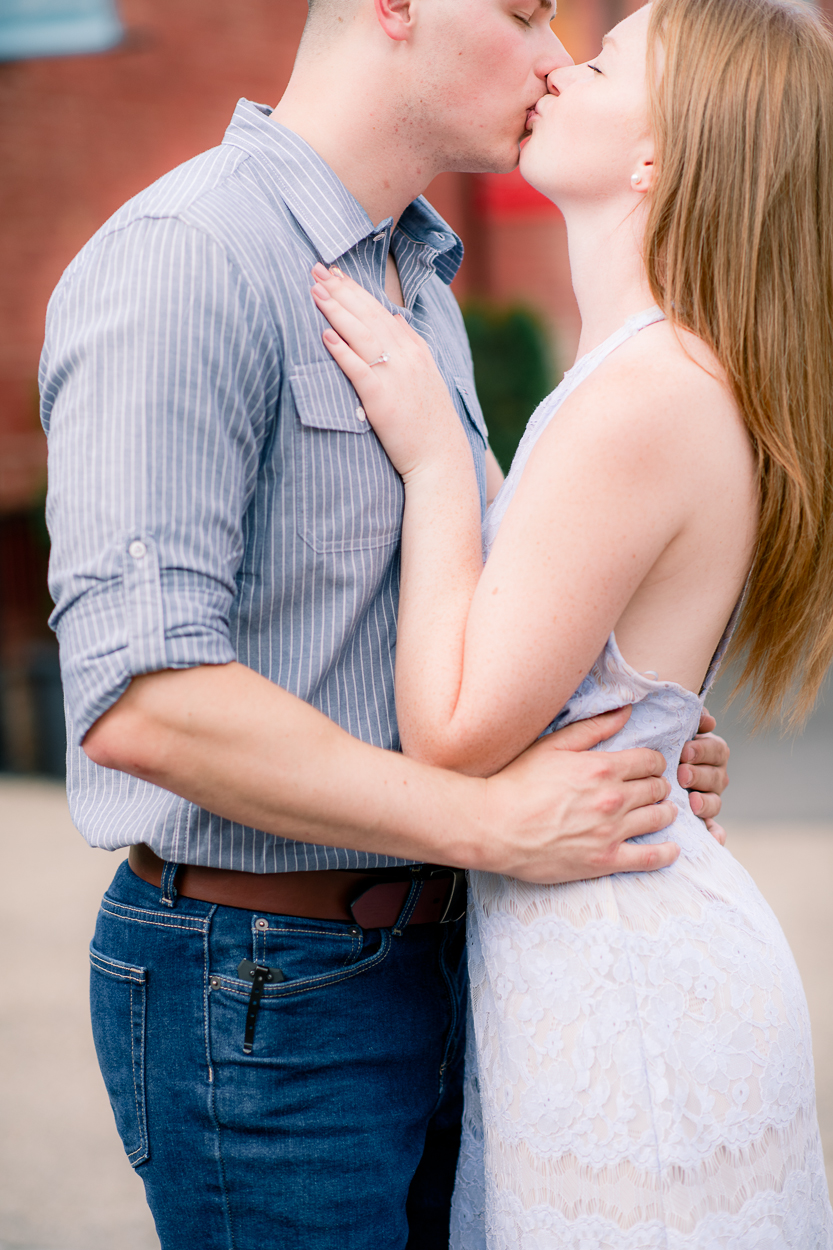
(340, 1131)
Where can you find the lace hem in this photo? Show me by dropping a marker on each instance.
(791, 1218)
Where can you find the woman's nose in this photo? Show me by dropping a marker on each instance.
(552, 81)
(561, 77)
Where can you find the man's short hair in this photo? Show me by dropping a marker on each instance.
(321, 6)
(321, 11)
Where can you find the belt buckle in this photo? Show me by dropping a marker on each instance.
(455, 907)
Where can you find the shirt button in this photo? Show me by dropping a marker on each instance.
(361, 414)
(378, 238)
(137, 550)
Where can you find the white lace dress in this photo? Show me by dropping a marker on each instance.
(639, 1073)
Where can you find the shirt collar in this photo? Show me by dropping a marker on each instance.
(329, 215)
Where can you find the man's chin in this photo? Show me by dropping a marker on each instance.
(496, 161)
(509, 160)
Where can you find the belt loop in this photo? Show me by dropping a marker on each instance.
(410, 903)
(168, 894)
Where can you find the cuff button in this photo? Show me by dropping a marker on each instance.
(137, 550)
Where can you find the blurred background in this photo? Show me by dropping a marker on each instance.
(98, 99)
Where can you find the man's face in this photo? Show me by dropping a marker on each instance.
(483, 66)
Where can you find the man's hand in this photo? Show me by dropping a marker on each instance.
(567, 812)
(703, 771)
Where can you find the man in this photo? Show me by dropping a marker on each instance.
(277, 994)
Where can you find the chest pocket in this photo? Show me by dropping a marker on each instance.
(349, 496)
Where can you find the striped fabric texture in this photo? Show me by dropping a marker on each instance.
(213, 491)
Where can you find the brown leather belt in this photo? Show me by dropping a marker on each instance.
(373, 900)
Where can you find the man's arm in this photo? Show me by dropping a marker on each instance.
(233, 742)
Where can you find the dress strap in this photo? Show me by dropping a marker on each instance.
(548, 407)
(726, 638)
(586, 364)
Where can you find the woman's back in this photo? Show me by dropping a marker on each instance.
(641, 427)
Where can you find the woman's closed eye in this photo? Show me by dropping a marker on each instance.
(594, 67)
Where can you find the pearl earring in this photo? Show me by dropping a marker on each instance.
(636, 179)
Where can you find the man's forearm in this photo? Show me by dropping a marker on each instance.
(236, 744)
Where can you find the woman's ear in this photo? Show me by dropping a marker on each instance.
(643, 176)
(395, 17)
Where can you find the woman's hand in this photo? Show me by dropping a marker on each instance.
(394, 374)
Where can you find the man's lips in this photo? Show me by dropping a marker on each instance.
(534, 111)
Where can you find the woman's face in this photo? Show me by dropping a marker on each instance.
(592, 132)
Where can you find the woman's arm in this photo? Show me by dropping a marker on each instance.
(588, 522)
(485, 662)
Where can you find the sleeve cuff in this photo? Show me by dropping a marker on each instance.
(117, 632)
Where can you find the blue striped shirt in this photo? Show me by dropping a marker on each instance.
(214, 493)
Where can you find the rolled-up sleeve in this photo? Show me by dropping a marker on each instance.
(158, 385)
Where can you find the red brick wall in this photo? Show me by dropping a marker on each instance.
(79, 135)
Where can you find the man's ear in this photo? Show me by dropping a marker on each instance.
(395, 17)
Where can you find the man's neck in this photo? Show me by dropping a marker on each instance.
(607, 269)
(352, 121)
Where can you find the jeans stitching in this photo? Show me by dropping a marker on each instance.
(355, 948)
(143, 1140)
(108, 972)
(113, 968)
(162, 923)
(260, 955)
(309, 983)
(410, 903)
(168, 890)
(307, 932)
(212, 1093)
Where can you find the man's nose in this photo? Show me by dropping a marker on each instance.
(557, 56)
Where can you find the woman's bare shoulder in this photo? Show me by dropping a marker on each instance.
(664, 383)
(674, 368)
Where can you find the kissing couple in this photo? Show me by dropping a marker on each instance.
(274, 564)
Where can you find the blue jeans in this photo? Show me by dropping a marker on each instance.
(339, 1131)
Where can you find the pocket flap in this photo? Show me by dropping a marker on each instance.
(471, 403)
(325, 400)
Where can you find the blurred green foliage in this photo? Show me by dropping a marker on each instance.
(513, 368)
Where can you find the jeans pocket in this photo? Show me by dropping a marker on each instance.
(117, 1008)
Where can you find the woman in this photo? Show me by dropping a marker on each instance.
(642, 1044)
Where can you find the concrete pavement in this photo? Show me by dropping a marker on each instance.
(65, 1183)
